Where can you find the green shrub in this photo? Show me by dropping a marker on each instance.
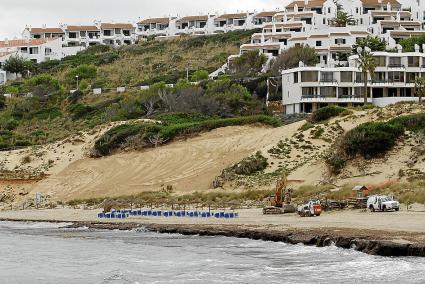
(80, 111)
(200, 75)
(371, 139)
(413, 122)
(84, 72)
(10, 124)
(75, 96)
(48, 113)
(325, 113)
(114, 137)
(306, 126)
(317, 132)
(251, 165)
(2, 102)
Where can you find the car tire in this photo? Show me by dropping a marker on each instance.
(397, 209)
(384, 208)
(371, 208)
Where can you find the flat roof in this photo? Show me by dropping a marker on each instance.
(232, 16)
(194, 18)
(46, 30)
(155, 21)
(116, 26)
(81, 28)
(310, 4)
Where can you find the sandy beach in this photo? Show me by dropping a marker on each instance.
(403, 225)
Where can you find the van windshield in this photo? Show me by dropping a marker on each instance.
(387, 198)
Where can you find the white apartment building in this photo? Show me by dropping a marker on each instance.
(115, 34)
(36, 50)
(307, 88)
(202, 24)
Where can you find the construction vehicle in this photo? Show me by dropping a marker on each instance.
(310, 209)
(280, 202)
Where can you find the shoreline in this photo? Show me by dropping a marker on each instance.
(366, 241)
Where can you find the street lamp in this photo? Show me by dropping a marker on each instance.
(77, 82)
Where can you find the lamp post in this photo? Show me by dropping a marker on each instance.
(78, 87)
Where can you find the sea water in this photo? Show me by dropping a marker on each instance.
(46, 253)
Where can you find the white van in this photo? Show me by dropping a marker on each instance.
(382, 203)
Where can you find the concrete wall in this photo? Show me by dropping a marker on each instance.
(2, 77)
(383, 102)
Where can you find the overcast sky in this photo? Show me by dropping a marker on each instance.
(15, 14)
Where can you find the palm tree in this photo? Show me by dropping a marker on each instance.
(367, 65)
(343, 19)
(420, 87)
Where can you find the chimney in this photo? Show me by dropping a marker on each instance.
(6, 41)
(305, 2)
(417, 48)
(399, 48)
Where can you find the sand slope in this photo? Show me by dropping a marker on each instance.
(186, 165)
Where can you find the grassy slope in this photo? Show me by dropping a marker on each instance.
(167, 60)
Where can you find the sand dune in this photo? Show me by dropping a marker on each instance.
(186, 165)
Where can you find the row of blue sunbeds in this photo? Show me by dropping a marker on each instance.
(123, 214)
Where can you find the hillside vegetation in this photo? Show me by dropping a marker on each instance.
(51, 113)
(149, 61)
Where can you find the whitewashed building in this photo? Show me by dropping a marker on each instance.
(115, 34)
(304, 89)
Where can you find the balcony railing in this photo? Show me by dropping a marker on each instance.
(328, 80)
(396, 66)
(349, 96)
(317, 96)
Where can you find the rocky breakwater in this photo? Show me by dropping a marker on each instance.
(372, 242)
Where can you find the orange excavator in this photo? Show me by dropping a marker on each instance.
(281, 201)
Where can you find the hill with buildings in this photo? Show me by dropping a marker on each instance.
(120, 119)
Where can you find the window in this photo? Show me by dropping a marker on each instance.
(380, 61)
(296, 77)
(328, 92)
(346, 76)
(283, 40)
(318, 43)
(359, 77)
(309, 76)
(395, 62)
(340, 41)
(411, 77)
(306, 20)
(379, 77)
(329, 10)
(107, 33)
(396, 77)
(326, 77)
(413, 61)
(309, 92)
(33, 50)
